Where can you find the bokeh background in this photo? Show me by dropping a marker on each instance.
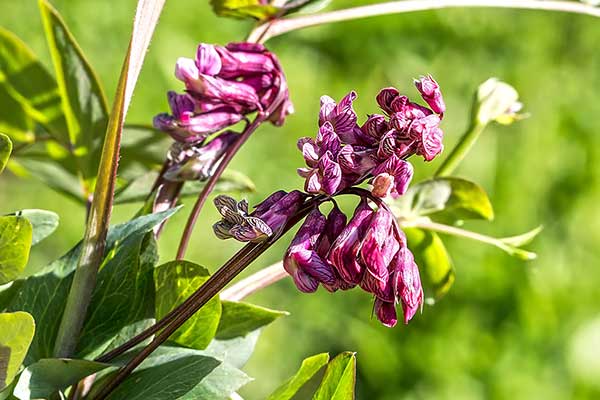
(508, 329)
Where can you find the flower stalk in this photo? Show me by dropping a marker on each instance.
(459, 152)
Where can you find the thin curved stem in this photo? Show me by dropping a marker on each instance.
(255, 282)
(269, 30)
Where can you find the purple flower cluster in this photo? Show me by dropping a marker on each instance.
(344, 153)
(223, 85)
(368, 250)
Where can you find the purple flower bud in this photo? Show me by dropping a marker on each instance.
(182, 106)
(378, 249)
(356, 160)
(196, 128)
(430, 91)
(386, 312)
(408, 283)
(208, 60)
(392, 177)
(192, 162)
(385, 98)
(336, 222)
(344, 253)
(302, 259)
(214, 89)
(280, 210)
(186, 70)
(342, 115)
(241, 59)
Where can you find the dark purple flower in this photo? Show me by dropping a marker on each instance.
(375, 126)
(344, 253)
(223, 85)
(281, 210)
(408, 283)
(303, 262)
(386, 312)
(341, 116)
(377, 251)
(325, 178)
(392, 177)
(430, 91)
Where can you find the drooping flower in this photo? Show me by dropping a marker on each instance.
(407, 282)
(302, 260)
(223, 85)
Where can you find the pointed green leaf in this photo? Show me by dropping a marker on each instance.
(83, 101)
(339, 380)
(43, 223)
(44, 295)
(446, 198)
(175, 281)
(310, 366)
(15, 243)
(16, 332)
(49, 375)
(168, 381)
(5, 150)
(30, 85)
(14, 121)
(238, 319)
(437, 270)
(244, 9)
(522, 239)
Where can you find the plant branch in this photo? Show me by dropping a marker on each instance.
(207, 291)
(268, 30)
(459, 152)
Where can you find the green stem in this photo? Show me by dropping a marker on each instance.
(460, 150)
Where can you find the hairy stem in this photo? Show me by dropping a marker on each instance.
(207, 291)
(459, 152)
(268, 30)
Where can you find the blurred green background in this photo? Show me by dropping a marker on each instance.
(507, 329)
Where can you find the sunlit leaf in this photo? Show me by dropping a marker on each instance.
(5, 150)
(15, 243)
(83, 101)
(243, 9)
(446, 198)
(47, 376)
(28, 82)
(310, 366)
(238, 319)
(175, 281)
(43, 222)
(44, 295)
(169, 381)
(339, 380)
(14, 121)
(16, 332)
(435, 265)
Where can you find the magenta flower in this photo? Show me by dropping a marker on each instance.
(392, 177)
(407, 283)
(302, 260)
(430, 91)
(223, 85)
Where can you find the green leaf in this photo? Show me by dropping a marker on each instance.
(30, 85)
(219, 384)
(339, 380)
(437, 269)
(138, 189)
(171, 380)
(236, 351)
(238, 319)
(124, 293)
(5, 150)
(244, 9)
(43, 222)
(310, 366)
(13, 119)
(175, 281)
(83, 101)
(16, 332)
(44, 295)
(446, 198)
(15, 242)
(47, 376)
